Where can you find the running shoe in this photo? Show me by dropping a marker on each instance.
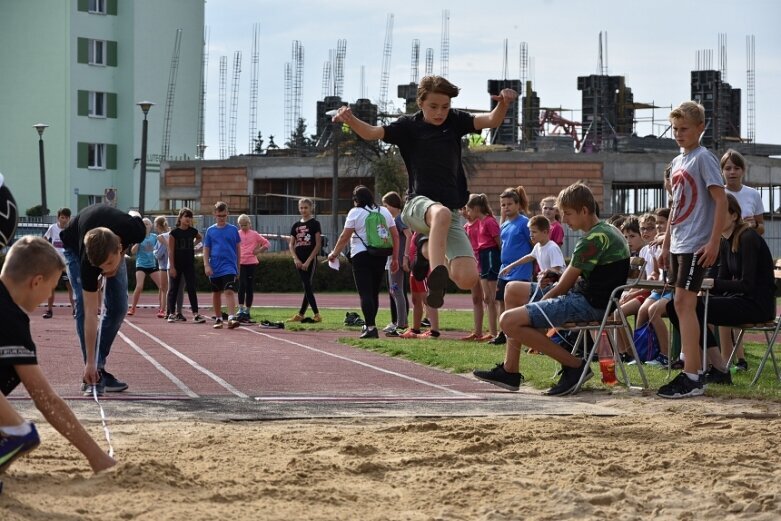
(13, 447)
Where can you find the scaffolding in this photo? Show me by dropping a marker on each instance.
(387, 48)
(429, 61)
(169, 99)
(222, 94)
(444, 52)
(338, 67)
(253, 89)
(234, 107)
(750, 90)
(200, 137)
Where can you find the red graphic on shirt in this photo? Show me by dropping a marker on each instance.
(684, 195)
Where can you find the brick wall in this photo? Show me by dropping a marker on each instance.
(539, 179)
(217, 182)
(180, 177)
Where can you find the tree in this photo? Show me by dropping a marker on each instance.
(389, 175)
(258, 149)
(299, 141)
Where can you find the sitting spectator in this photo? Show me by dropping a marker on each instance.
(601, 256)
(545, 252)
(743, 292)
(632, 299)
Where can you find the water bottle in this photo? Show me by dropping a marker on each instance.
(607, 363)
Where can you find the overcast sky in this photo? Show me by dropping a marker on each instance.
(652, 44)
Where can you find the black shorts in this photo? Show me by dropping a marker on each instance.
(222, 283)
(490, 262)
(148, 271)
(685, 273)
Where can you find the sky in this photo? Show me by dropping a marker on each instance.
(653, 44)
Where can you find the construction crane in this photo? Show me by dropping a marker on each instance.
(444, 64)
(199, 139)
(234, 103)
(223, 84)
(561, 126)
(253, 88)
(169, 99)
(382, 103)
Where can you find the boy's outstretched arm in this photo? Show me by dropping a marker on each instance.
(494, 118)
(363, 129)
(60, 416)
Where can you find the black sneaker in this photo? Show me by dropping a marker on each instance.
(370, 333)
(420, 264)
(498, 339)
(181, 318)
(437, 284)
(627, 357)
(714, 376)
(677, 364)
(394, 332)
(681, 387)
(86, 389)
(425, 322)
(569, 379)
(110, 383)
(741, 364)
(498, 376)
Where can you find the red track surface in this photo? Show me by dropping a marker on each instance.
(186, 360)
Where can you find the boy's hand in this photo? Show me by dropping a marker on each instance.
(708, 255)
(343, 115)
(208, 270)
(507, 96)
(91, 375)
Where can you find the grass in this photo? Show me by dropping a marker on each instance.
(463, 357)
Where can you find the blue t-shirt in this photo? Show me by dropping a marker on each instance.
(145, 256)
(222, 244)
(516, 243)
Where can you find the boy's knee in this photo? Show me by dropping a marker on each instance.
(440, 215)
(465, 279)
(516, 294)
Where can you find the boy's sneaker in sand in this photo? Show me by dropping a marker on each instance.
(13, 447)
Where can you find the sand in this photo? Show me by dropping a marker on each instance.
(697, 459)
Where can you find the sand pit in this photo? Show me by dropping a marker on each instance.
(692, 460)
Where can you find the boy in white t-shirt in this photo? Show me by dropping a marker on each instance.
(53, 236)
(546, 252)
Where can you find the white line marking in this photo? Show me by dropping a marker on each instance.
(193, 363)
(364, 364)
(186, 390)
(354, 398)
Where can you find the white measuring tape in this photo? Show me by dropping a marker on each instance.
(97, 355)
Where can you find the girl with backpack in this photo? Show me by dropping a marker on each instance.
(373, 237)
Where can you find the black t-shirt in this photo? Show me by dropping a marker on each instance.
(184, 246)
(432, 155)
(16, 343)
(131, 230)
(304, 237)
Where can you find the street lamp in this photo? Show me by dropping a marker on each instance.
(40, 127)
(145, 106)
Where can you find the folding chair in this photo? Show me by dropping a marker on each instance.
(770, 329)
(609, 323)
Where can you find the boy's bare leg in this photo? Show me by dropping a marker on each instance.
(463, 271)
(230, 302)
(516, 295)
(438, 219)
(516, 325)
(686, 309)
(8, 415)
(217, 304)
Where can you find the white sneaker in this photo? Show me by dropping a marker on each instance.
(390, 327)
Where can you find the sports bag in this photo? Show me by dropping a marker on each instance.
(646, 343)
(379, 242)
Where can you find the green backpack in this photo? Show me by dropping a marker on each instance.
(379, 242)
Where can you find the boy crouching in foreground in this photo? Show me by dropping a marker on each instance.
(31, 270)
(601, 258)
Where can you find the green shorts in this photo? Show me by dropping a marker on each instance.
(414, 216)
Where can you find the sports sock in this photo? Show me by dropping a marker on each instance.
(22, 429)
(692, 377)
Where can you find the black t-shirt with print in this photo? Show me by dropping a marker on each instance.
(304, 237)
(432, 155)
(16, 343)
(184, 246)
(131, 230)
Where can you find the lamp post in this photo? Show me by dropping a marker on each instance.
(145, 106)
(40, 127)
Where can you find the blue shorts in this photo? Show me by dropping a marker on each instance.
(656, 295)
(490, 262)
(572, 307)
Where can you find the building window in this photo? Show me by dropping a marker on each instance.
(97, 6)
(96, 156)
(178, 204)
(97, 52)
(97, 104)
(636, 198)
(771, 198)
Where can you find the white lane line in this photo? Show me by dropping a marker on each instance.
(357, 398)
(364, 364)
(193, 363)
(186, 390)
